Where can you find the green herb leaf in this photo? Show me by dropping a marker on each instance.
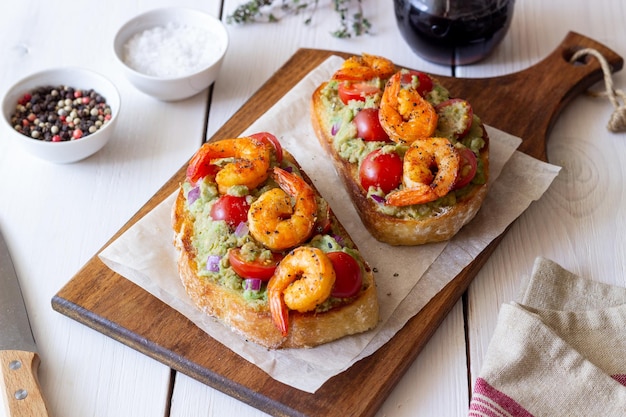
(351, 23)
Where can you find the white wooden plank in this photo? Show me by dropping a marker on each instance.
(436, 383)
(56, 217)
(578, 222)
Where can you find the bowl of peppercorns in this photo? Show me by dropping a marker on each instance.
(61, 115)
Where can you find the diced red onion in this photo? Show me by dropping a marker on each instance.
(335, 128)
(289, 169)
(252, 284)
(378, 198)
(213, 263)
(193, 195)
(241, 230)
(339, 240)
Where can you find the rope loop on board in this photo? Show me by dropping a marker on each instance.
(617, 121)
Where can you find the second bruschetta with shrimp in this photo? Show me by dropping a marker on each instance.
(414, 159)
(260, 249)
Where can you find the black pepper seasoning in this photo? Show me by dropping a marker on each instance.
(60, 113)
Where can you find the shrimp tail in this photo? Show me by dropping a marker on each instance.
(291, 184)
(410, 196)
(284, 180)
(279, 312)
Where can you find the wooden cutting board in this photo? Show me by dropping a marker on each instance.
(525, 104)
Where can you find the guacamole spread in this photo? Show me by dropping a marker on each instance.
(213, 239)
(339, 118)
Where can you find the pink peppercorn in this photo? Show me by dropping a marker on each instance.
(56, 138)
(25, 99)
(77, 134)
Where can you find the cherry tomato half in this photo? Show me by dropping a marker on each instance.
(355, 91)
(382, 170)
(368, 126)
(253, 269)
(231, 209)
(348, 273)
(424, 82)
(467, 168)
(269, 138)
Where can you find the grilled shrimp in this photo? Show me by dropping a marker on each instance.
(250, 165)
(277, 223)
(404, 114)
(303, 279)
(364, 68)
(429, 171)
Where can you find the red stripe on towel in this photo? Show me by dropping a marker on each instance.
(479, 407)
(621, 378)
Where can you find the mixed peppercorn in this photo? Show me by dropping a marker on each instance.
(60, 113)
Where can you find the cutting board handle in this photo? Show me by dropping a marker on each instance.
(573, 78)
(527, 103)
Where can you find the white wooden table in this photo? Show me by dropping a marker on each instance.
(56, 217)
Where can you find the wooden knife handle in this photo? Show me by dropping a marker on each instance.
(22, 394)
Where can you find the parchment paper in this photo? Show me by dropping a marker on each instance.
(407, 277)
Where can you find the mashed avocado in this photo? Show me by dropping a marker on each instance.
(212, 239)
(339, 117)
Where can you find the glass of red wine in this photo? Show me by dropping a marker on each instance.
(453, 32)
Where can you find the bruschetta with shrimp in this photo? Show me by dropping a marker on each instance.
(260, 249)
(414, 159)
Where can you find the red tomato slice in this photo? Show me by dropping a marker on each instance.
(348, 272)
(231, 209)
(467, 168)
(269, 138)
(455, 117)
(355, 91)
(253, 269)
(382, 170)
(424, 82)
(368, 126)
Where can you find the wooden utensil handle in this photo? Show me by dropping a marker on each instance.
(22, 394)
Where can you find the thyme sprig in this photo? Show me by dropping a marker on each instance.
(352, 21)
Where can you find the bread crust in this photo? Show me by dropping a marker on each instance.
(355, 315)
(389, 229)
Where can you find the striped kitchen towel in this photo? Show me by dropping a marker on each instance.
(559, 351)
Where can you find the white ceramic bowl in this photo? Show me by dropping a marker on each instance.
(173, 25)
(65, 151)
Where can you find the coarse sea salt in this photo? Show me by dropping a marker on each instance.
(171, 50)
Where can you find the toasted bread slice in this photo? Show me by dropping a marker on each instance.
(439, 224)
(337, 318)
